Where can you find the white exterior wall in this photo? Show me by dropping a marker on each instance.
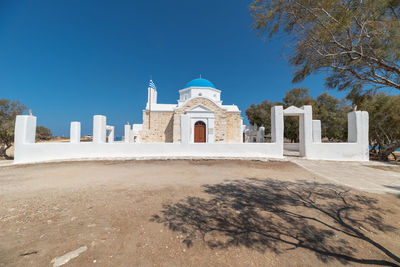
(30, 152)
(40, 152)
(357, 148)
(192, 92)
(27, 151)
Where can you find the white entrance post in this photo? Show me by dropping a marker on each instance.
(99, 129)
(127, 133)
(305, 130)
(25, 133)
(316, 131)
(358, 122)
(75, 132)
(25, 130)
(277, 126)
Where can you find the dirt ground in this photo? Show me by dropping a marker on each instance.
(191, 213)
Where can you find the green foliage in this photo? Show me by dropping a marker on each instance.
(297, 97)
(8, 112)
(43, 133)
(384, 122)
(333, 115)
(260, 114)
(357, 42)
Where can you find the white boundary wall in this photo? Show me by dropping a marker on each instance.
(27, 151)
(30, 153)
(357, 147)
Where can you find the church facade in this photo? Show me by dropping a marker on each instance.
(198, 117)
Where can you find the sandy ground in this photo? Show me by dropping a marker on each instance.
(193, 213)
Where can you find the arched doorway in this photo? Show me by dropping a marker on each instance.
(199, 132)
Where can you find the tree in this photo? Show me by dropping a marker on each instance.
(297, 97)
(357, 42)
(43, 133)
(384, 122)
(8, 112)
(260, 114)
(331, 111)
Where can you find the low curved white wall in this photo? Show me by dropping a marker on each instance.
(338, 151)
(39, 152)
(27, 151)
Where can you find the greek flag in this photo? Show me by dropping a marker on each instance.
(152, 85)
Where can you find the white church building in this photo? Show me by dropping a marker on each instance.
(198, 117)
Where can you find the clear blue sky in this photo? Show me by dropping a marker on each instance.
(68, 60)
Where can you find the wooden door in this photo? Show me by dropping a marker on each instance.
(199, 132)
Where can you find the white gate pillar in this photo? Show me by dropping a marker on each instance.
(316, 131)
(25, 129)
(127, 133)
(99, 129)
(305, 130)
(277, 126)
(75, 132)
(358, 125)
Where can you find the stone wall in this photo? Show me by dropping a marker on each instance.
(227, 125)
(161, 127)
(233, 127)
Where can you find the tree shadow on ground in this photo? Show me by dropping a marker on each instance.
(268, 214)
(393, 187)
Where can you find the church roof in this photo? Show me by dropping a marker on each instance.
(200, 82)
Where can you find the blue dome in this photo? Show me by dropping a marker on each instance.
(200, 82)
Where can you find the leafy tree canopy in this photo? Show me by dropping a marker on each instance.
(357, 42)
(8, 112)
(43, 133)
(384, 122)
